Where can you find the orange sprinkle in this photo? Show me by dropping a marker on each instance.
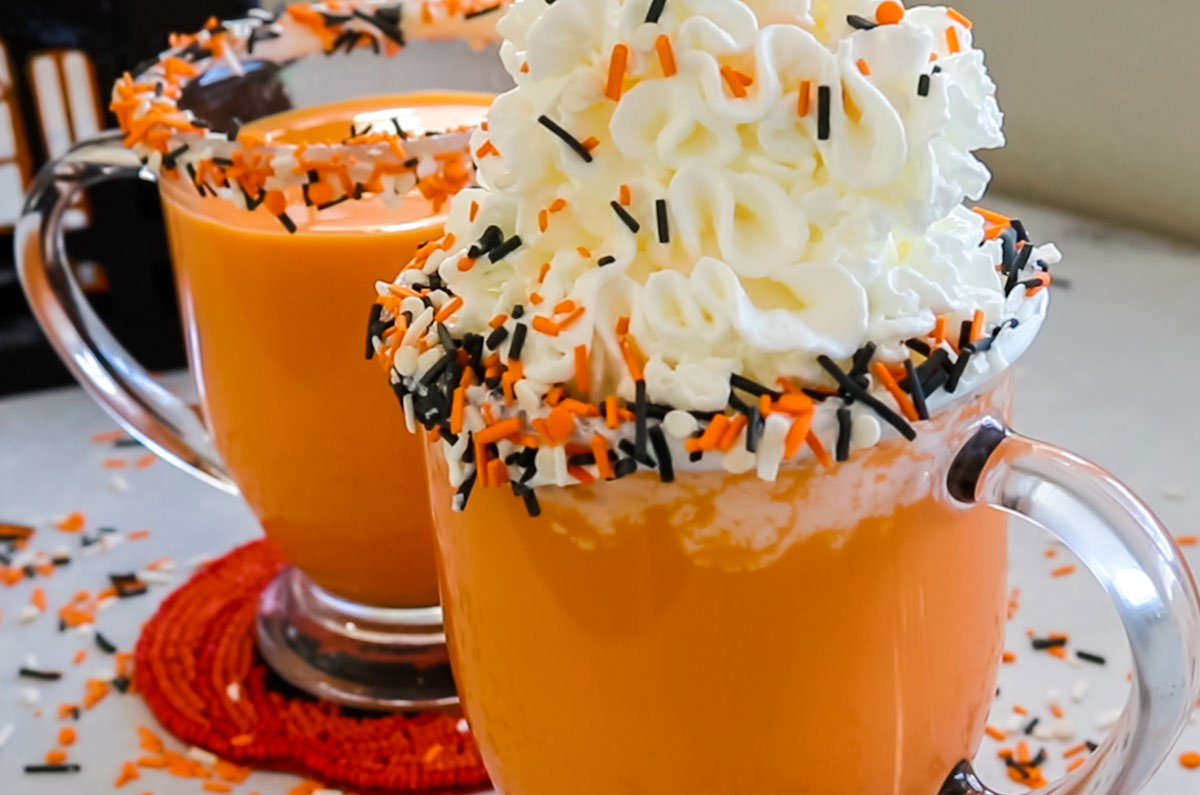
(1063, 571)
(39, 599)
(66, 736)
(794, 403)
(1056, 711)
(450, 307)
(797, 434)
(1050, 553)
(889, 383)
(622, 326)
(952, 40)
(457, 409)
(216, 786)
(616, 72)
(488, 148)
(996, 734)
(497, 431)
(1018, 709)
(73, 523)
(129, 772)
(976, 325)
(525, 68)
(1008, 657)
(107, 436)
(543, 220)
(545, 325)
(56, 757)
(95, 690)
(631, 361)
(275, 202)
(1186, 541)
(473, 213)
(583, 379)
(804, 102)
(498, 321)
(624, 195)
(600, 451)
(466, 263)
(939, 331)
(241, 740)
(713, 433)
(583, 252)
(864, 67)
(565, 305)
(819, 450)
(611, 418)
(558, 205)
(958, 17)
(1059, 652)
(144, 461)
(1074, 750)
(114, 463)
(560, 424)
(1190, 760)
(80, 656)
(489, 417)
(570, 319)
(152, 762)
(590, 143)
(542, 272)
(555, 395)
(889, 13)
(138, 535)
(1076, 764)
(497, 472)
(735, 81)
(666, 55)
(730, 436)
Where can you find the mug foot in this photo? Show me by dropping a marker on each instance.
(361, 656)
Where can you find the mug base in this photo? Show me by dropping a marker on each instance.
(360, 656)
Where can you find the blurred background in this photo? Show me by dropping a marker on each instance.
(1097, 123)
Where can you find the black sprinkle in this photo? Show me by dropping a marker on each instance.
(1091, 746)
(566, 137)
(937, 70)
(170, 157)
(625, 217)
(1008, 249)
(626, 447)
(752, 387)
(606, 260)
(121, 578)
(1018, 265)
(695, 456)
(861, 23)
(816, 394)
(623, 467)
(287, 222)
(915, 389)
(498, 335)
(855, 390)
(504, 249)
(1039, 758)
(44, 676)
(842, 448)
(531, 503)
(861, 360)
(824, 99)
(491, 237)
(655, 10)
(412, 161)
(666, 469)
(1019, 227)
(1041, 644)
(1011, 322)
(639, 422)
(518, 311)
(920, 346)
(1088, 656)
(754, 424)
(464, 491)
(235, 126)
(581, 459)
(121, 683)
(739, 405)
(125, 441)
(923, 85)
(131, 591)
(660, 214)
(1029, 727)
(104, 644)
(375, 327)
(67, 768)
(480, 12)
(980, 345)
(960, 367)
(964, 333)
(518, 341)
(333, 202)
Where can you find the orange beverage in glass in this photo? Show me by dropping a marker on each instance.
(835, 631)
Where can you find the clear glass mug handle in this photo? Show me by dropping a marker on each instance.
(1129, 551)
(141, 405)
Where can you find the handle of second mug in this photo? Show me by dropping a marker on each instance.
(1129, 551)
(141, 405)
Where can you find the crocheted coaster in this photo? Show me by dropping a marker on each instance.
(199, 672)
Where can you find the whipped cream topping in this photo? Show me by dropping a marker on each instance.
(686, 196)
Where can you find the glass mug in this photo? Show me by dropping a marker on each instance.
(291, 417)
(837, 631)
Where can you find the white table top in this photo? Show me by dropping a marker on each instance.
(1090, 384)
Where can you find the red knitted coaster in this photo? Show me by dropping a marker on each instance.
(201, 641)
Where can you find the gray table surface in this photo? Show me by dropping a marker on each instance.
(1125, 317)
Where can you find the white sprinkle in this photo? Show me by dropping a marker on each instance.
(405, 361)
(771, 444)
(196, 561)
(1108, 719)
(865, 430)
(1043, 731)
(1053, 696)
(6, 734)
(1080, 691)
(412, 304)
(739, 459)
(1064, 730)
(30, 696)
(1014, 723)
(234, 691)
(30, 661)
(680, 424)
(118, 484)
(206, 758)
(151, 577)
(104, 674)
(61, 551)
(418, 328)
(110, 540)
(429, 358)
(327, 792)
(410, 414)
(462, 726)
(528, 398)
(85, 630)
(28, 613)
(1173, 492)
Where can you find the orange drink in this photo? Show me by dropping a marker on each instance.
(275, 327)
(834, 631)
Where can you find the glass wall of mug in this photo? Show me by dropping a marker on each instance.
(275, 307)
